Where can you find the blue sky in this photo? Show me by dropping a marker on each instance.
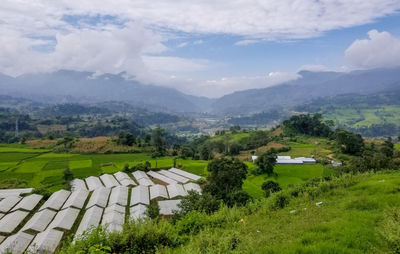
(201, 47)
(286, 55)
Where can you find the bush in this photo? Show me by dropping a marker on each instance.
(270, 187)
(280, 200)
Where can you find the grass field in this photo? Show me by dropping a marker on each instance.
(285, 175)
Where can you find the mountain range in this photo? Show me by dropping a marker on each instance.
(67, 86)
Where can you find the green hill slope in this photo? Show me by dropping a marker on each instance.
(359, 214)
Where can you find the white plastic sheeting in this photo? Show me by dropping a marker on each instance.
(138, 212)
(28, 203)
(139, 175)
(185, 174)
(113, 220)
(192, 187)
(145, 182)
(176, 190)
(90, 220)
(99, 197)
(161, 178)
(115, 208)
(46, 242)
(124, 179)
(16, 244)
(2, 238)
(167, 207)
(119, 195)
(158, 191)
(109, 180)
(77, 199)
(39, 221)
(56, 200)
(1, 215)
(14, 192)
(78, 184)
(8, 203)
(93, 183)
(140, 195)
(174, 176)
(65, 219)
(11, 221)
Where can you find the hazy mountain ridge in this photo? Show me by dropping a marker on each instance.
(312, 85)
(83, 87)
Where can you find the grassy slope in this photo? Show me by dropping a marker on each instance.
(359, 218)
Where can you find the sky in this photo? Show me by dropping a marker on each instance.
(200, 47)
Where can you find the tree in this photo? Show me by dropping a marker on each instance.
(187, 152)
(225, 178)
(126, 168)
(175, 147)
(206, 152)
(235, 148)
(199, 202)
(126, 139)
(349, 143)
(153, 211)
(308, 124)
(147, 166)
(388, 147)
(159, 142)
(266, 162)
(270, 187)
(68, 175)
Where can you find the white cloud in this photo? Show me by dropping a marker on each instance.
(182, 44)
(246, 42)
(381, 49)
(134, 41)
(314, 67)
(219, 87)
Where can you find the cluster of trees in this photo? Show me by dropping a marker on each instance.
(375, 157)
(206, 147)
(312, 125)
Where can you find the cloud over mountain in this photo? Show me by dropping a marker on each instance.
(381, 49)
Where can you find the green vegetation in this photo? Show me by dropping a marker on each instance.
(359, 214)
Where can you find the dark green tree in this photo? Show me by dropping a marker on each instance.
(159, 142)
(153, 211)
(349, 143)
(270, 187)
(225, 179)
(68, 175)
(199, 202)
(126, 139)
(126, 168)
(266, 162)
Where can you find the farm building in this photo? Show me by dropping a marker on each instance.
(295, 161)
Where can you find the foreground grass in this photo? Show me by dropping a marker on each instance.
(359, 214)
